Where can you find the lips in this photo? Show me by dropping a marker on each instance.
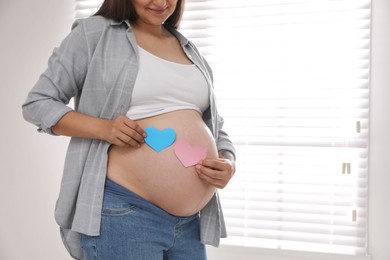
(157, 11)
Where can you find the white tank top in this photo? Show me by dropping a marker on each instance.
(163, 86)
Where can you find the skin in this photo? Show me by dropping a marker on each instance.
(123, 131)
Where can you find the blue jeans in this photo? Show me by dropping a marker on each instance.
(134, 229)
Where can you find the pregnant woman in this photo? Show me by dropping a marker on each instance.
(147, 150)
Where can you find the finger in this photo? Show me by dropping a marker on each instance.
(135, 136)
(221, 164)
(210, 172)
(128, 140)
(136, 127)
(216, 164)
(118, 142)
(212, 181)
(134, 131)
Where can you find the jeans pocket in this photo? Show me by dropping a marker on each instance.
(113, 206)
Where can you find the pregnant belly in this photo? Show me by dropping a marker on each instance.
(160, 177)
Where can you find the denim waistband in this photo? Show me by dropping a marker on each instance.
(136, 200)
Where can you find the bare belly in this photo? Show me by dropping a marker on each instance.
(160, 177)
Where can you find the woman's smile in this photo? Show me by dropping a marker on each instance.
(154, 12)
(157, 11)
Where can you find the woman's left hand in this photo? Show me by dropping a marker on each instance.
(216, 172)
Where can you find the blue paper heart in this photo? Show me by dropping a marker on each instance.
(159, 140)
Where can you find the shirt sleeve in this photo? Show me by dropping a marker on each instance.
(47, 102)
(223, 141)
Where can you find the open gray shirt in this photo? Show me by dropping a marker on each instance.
(97, 65)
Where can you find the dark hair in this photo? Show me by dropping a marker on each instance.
(120, 10)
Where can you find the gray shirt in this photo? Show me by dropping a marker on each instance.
(97, 65)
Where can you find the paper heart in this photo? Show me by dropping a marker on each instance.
(187, 154)
(159, 140)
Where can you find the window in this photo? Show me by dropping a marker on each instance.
(292, 78)
(292, 81)
(85, 8)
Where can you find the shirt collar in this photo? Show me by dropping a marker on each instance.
(112, 22)
(183, 40)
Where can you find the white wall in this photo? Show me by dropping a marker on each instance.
(379, 180)
(31, 163)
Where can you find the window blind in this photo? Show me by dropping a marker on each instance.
(85, 8)
(292, 81)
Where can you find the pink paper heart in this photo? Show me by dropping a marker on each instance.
(187, 154)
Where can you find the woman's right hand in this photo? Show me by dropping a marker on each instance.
(123, 131)
(120, 131)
